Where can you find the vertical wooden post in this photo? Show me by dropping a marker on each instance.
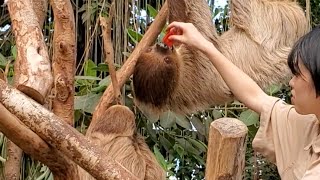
(226, 149)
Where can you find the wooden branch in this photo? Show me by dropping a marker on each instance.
(226, 149)
(127, 69)
(40, 8)
(62, 136)
(33, 145)
(64, 58)
(106, 26)
(13, 163)
(32, 66)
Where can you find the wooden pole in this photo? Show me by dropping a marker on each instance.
(226, 149)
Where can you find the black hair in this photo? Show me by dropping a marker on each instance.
(307, 51)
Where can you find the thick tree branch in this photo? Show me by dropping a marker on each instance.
(33, 145)
(32, 66)
(64, 58)
(62, 136)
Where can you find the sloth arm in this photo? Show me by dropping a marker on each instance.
(245, 89)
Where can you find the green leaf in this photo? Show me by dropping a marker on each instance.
(105, 81)
(159, 157)
(271, 90)
(134, 36)
(165, 143)
(199, 145)
(187, 146)
(152, 132)
(216, 114)
(3, 60)
(14, 52)
(152, 11)
(167, 119)
(87, 102)
(208, 121)
(249, 117)
(199, 159)
(88, 68)
(197, 123)
(179, 149)
(183, 121)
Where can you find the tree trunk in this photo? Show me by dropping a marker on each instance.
(13, 163)
(40, 8)
(62, 136)
(226, 149)
(64, 58)
(127, 69)
(32, 67)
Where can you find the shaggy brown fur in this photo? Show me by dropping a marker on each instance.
(116, 134)
(259, 41)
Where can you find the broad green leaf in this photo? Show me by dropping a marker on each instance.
(159, 157)
(183, 121)
(165, 143)
(134, 36)
(197, 123)
(87, 102)
(216, 114)
(249, 117)
(179, 149)
(105, 81)
(102, 67)
(88, 68)
(187, 146)
(167, 119)
(152, 11)
(152, 132)
(199, 145)
(199, 159)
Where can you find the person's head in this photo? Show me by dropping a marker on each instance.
(304, 62)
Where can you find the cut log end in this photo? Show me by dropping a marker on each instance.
(32, 93)
(230, 127)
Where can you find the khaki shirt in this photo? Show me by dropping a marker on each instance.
(289, 140)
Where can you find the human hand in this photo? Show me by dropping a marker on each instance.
(187, 33)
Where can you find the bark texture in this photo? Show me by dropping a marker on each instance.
(64, 58)
(226, 149)
(32, 66)
(62, 136)
(33, 145)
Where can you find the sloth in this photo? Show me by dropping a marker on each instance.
(183, 80)
(116, 133)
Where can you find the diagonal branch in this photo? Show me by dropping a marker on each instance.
(127, 69)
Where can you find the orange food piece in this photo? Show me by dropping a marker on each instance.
(166, 40)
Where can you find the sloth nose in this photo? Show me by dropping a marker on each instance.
(162, 49)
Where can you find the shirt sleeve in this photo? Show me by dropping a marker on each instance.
(283, 133)
(263, 141)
